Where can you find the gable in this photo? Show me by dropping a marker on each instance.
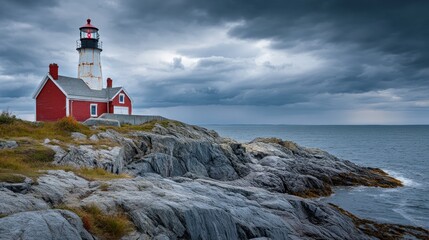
(122, 90)
(43, 83)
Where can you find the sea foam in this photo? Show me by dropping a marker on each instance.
(406, 181)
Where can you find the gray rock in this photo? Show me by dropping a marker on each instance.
(8, 144)
(193, 184)
(58, 186)
(200, 156)
(15, 202)
(19, 187)
(111, 159)
(102, 122)
(45, 224)
(94, 138)
(273, 164)
(163, 164)
(207, 209)
(59, 152)
(78, 136)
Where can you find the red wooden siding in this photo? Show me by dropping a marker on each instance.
(80, 110)
(50, 103)
(115, 102)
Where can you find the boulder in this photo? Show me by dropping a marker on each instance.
(57, 187)
(8, 144)
(20, 187)
(15, 202)
(102, 122)
(45, 224)
(111, 159)
(94, 138)
(78, 136)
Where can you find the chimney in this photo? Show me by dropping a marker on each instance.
(53, 70)
(109, 83)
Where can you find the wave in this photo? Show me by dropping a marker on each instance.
(406, 181)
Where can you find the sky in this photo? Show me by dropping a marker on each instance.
(232, 61)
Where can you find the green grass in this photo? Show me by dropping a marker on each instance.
(27, 159)
(103, 225)
(31, 158)
(60, 129)
(11, 178)
(92, 174)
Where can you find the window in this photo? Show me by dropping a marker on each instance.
(121, 98)
(93, 110)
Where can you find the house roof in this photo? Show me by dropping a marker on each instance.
(77, 88)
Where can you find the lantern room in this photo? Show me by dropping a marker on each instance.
(88, 31)
(89, 36)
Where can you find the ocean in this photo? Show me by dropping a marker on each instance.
(401, 151)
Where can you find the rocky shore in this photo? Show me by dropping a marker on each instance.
(187, 182)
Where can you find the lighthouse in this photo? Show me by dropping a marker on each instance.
(89, 48)
(84, 97)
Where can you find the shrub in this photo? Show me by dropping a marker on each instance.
(103, 225)
(68, 124)
(86, 223)
(7, 117)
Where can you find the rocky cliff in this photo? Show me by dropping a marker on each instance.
(186, 182)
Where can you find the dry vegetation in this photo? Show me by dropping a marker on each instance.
(103, 225)
(287, 144)
(31, 158)
(92, 174)
(145, 127)
(12, 128)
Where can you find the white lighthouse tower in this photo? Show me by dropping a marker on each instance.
(89, 48)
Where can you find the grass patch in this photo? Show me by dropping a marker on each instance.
(40, 130)
(92, 174)
(30, 158)
(105, 226)
(287, 144)
(27, 159)
(11, 178)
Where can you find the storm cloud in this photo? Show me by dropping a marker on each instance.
(308, 61)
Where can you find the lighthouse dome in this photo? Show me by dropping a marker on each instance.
(89, 31)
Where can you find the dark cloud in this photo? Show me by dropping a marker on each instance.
(309, 54)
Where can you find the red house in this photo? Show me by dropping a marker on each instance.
(82, 97)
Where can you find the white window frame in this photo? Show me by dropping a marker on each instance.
(96, 110)
(123, 98)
